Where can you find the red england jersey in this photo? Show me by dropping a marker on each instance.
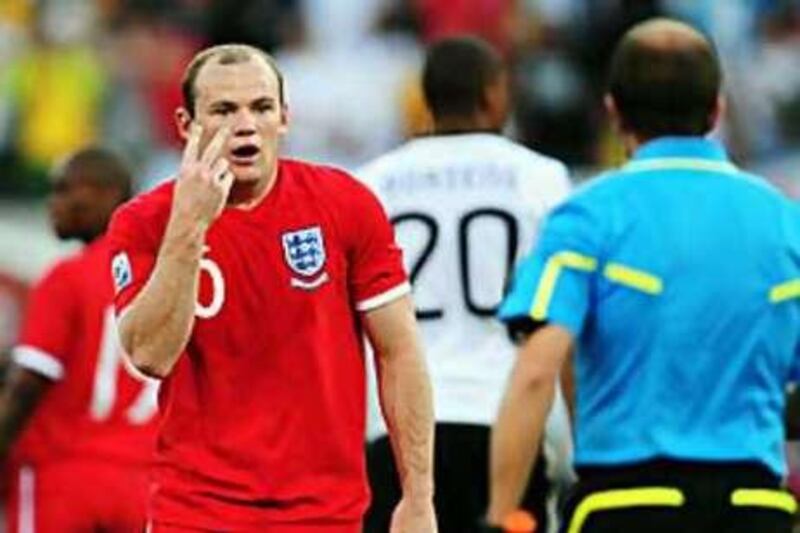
(95, 409)
(265, 410)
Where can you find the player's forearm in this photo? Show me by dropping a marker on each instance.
(405, 394)
(156, 327)
(20, 396)
(407, 405)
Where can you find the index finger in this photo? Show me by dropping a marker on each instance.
(214, 147)
(192, 144)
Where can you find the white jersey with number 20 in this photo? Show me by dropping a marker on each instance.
(465, 208)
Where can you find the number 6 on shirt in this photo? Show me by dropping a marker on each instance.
(217, 290)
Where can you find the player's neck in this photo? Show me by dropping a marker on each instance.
(248, 195)
(457, 125)
(87, 236)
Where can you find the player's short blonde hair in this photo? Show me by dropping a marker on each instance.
(224, 54)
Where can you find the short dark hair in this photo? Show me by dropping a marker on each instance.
(101, 167)
(225, 54)
(456, 73)
(665, 90)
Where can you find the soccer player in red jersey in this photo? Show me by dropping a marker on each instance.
(246, 284)
(76, 430)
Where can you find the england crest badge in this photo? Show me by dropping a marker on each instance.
(304, 251)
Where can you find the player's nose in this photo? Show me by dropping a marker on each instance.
(244, 123)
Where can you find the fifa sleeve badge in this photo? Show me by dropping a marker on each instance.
(121, 271)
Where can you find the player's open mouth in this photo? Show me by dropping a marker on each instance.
(245, 154)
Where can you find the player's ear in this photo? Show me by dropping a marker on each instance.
(183, 121)
(496, 100)
(283, 127)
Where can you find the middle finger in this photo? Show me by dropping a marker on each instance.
(214, 147)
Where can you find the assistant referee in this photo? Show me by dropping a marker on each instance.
(676, 280)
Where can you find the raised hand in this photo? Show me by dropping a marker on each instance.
(204, 180)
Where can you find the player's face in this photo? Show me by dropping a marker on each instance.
(72, 206)
(246, 97)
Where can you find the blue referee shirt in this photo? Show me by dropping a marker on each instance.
(679, 276)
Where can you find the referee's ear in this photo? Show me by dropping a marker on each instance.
(718, 112)
(613, 114)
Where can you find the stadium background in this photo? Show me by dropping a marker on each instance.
(74, 72)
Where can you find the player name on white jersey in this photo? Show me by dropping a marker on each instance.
(458, 176)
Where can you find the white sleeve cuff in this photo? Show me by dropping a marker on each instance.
(384, 298)
(130, 368)
(121, 314)
(38, 361)
(134, 372)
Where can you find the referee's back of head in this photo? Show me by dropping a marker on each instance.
(665, 79)
(457, 75)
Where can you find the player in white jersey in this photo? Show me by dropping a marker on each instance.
(465, 203)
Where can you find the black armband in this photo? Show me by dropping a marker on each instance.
(520, 328)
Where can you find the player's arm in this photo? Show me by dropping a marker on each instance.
(21, 393)
(518, 430)
(38, 361)
(406, 401)
(155, 328)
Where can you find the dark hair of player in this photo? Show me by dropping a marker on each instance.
(101, 168)
(224, 54)
(456, 74)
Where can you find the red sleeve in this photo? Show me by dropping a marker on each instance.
(50, 319)
(377, 275)
(132, 256)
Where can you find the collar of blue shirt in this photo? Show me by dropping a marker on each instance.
(676, 153)
(691, 147)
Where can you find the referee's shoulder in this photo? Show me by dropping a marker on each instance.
(775, 205)
(760, 193)
(759, 185)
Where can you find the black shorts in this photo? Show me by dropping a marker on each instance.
(677, 496)
(461, 472)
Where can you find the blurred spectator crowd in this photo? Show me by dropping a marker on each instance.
(77, 72)
(74, 72)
